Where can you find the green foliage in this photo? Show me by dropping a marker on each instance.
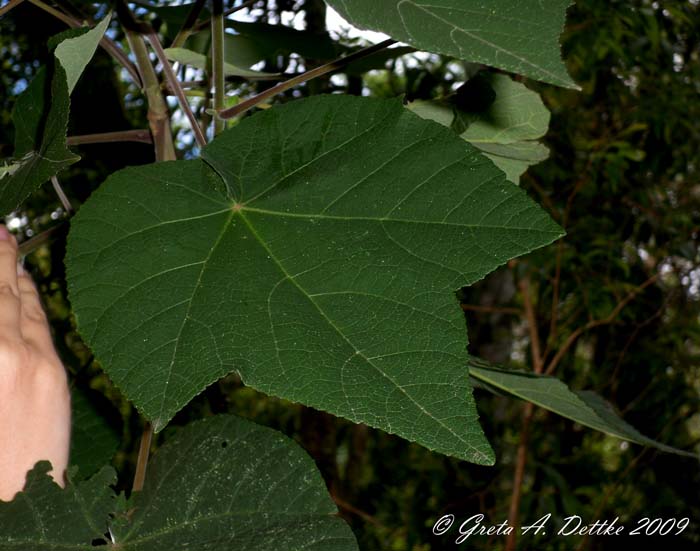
(318, 262)
(504, 126)
(238, 484)
(93, 439)
(41, 117)
(522, 36)
(586, 407)
(181, 273)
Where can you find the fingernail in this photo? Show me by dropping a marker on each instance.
(20, 269)
(4, 234)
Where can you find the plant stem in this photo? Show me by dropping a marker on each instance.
(30, 245)
(11, 4)
(188, 26)
(140, 135)
(107, 43)
(528, 412)
(217, 63)
(228, 12)
(142, 461)
(308, 75)
(158, 114)
(177, 89)
(62, 195)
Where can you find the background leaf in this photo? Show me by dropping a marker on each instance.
(505, 129)
(521, 36)
(93, 440)
(586, 408)
(323, 271)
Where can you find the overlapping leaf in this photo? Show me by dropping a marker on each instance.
(506, 130)
(220, 483)
(520, 36)
(586, 408)
(239, 486)
(315, 250)
(41, 116)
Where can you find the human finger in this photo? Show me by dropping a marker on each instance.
(9, 292)
(33, 323)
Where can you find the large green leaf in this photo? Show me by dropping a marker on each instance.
(506, 130)
(41, 117)
(239, 486)
(316, 252)
(220, 483)
(586, 408)
(521, 36)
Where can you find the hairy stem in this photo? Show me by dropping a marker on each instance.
(138, 135)
(188, 26)
(174, 83)
(158, 114)
(308, 75)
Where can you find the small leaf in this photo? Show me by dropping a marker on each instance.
(93, 440)
(586, 408)
(41, 117)
(505, 131)
(316, 251)
(521, 36)
(75, 53)
(199, 61)
(238, 486)
(46, 517)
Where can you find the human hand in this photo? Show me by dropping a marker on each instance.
(34, 395)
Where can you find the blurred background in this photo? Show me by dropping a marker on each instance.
(619, 296)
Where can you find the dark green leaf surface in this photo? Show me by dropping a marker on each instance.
(235, 485)
(316, 252)
(44, 517)
(93, 440)
(219, 483)
(40, 117)
(521, 36)
(586, 408)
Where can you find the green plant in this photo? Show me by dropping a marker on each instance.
(313, 249)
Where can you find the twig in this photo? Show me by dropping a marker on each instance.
(188, 26)
(142, 460)
(359, 512)
(61, 195)
(217, 63)
(174, 83)
(528, 412)
(518, 477)
(596, 323)
(30, 245)
(309, 75)
(107, 43)
(11, 4)
(140, 135)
